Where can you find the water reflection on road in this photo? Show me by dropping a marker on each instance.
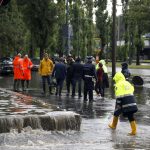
(94, 134)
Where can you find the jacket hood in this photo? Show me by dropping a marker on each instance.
(102, 62)
(119, 77)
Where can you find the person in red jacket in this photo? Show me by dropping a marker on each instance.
(18, 71)
(27, 65)
(99, 83)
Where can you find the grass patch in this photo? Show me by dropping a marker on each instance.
(132, 66)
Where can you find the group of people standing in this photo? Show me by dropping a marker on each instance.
(22, 71)
(74, 72)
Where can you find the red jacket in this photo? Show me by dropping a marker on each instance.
(18, 68)
(100, 72)
(27, 65)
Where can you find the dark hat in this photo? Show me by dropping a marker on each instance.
(89, 57)
(124, 64)
(78, 59)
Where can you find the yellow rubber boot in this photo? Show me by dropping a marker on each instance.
(133, 128)
(114, 123)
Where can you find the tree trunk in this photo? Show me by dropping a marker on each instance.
(138, 55)
(41, 53)
(139, 46)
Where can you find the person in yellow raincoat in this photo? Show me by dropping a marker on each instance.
(125, 102)
(45, 70)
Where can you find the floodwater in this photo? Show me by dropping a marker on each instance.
(94, 133)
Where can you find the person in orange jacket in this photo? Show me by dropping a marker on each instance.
(27, 65)
(18, 71)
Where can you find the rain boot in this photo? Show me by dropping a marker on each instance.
(15, 82)
(18, 84)
(44, 89)
(114, 123)
(133, 128)
(22, 84)
(27, 81)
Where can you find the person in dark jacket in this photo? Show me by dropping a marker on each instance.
(59, 73)
(89, 73)
(70, 61)
(77, 74)
(125, 71)
(125, 102)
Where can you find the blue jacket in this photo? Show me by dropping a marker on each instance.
(59, 71)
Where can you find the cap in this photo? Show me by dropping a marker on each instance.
(19, 54)
(78, 59)
(89, 57)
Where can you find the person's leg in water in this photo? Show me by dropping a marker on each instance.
(68, 83)
(132, 124)
(43, 84)
(114, 122)
(15, 85)
(49, 84)
(27, 83)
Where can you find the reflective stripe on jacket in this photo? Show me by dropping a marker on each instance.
(127, 104)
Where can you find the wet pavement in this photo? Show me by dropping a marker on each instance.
(94, 133)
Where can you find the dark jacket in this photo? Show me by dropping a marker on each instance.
(127, 104)
(125, 71)
(69, 71)
(89, 73)
(59, 71)
(77, 70)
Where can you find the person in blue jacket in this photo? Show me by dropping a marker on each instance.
(125, 71)
(59, 73)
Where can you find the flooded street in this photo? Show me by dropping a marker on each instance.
(94, 133)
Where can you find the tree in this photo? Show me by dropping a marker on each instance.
(126, 33)
(40, 17)
(138, 16)
(101, 22)
(12, 29)
(4, 2)
(60, 27)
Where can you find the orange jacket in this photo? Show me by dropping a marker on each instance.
(27, 65)
(18, 68)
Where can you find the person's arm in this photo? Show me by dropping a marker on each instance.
(95, 74)
(30, 64)
(53, 72)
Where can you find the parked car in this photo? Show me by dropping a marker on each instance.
(6, 65)
(36, 64)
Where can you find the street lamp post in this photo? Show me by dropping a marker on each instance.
(67, 27)
(78, 38)
(114, 39)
